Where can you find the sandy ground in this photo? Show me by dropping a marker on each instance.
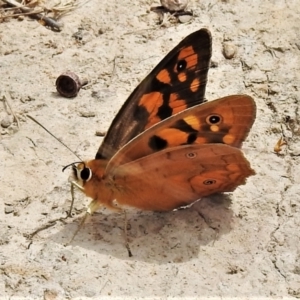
(243, 245)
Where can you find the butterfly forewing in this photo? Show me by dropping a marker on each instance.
(176, 83)
(179, 176)
(227, 120)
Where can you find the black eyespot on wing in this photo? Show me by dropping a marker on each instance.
(156, 143)
(214, 119)
(181, 65)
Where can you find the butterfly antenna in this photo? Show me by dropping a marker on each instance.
(34, 120)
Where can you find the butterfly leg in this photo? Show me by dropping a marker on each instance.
(89, 211)
(94, 205)
(73, 184)
(78, 228)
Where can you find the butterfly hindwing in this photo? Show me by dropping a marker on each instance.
(227, 120)
(179, 176)
(176, 83)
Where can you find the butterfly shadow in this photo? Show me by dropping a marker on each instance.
(175, 236)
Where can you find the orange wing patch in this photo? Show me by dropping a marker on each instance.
(201, 140)
(229, 139)
(214, 128)
(182, 77)
(193, 121)
(176, 104)
(172, 136)
(164, 76)
(194, 85)
(151, 102)
(190, 56)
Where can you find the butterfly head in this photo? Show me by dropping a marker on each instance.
(81, 172)
(89, 177)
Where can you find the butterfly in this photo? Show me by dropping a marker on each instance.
(167, 147)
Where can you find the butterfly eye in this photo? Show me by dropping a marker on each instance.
(209, 182)
(181, 65)
(85, 174)
(191, 155)
(214, 119)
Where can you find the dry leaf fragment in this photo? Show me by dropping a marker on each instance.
(278, 147)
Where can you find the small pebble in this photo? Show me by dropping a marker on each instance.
(8, 209)
(50, 294)
(213, 64)
(174, 5)
(185, 18)
(7, 121)
(87, 114)
(229, 50)
(100, 133)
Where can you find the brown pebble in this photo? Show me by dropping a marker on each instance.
(100, 133)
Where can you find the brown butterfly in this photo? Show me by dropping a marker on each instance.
(166, 148)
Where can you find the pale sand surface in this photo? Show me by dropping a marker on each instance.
(243, 245)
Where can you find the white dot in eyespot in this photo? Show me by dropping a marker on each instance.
(191, 155)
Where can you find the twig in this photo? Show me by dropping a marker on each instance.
(45, 226)
(113, 70)
(37, 16)
(20, 14)
(7, 99)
